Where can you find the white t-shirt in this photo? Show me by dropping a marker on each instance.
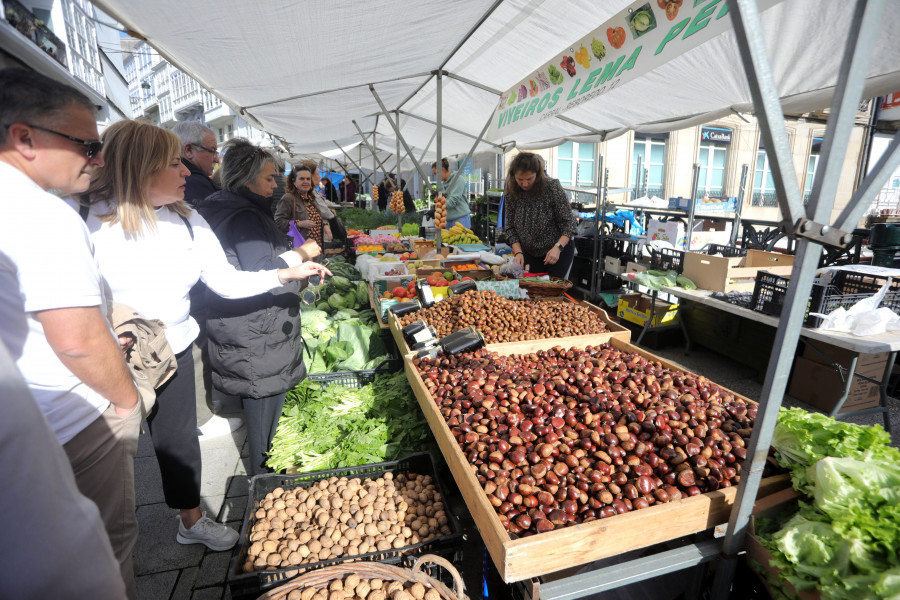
(46, 262)
(153, 272)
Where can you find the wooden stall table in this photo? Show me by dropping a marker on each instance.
(888, 343)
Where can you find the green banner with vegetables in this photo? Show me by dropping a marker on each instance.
(642, 37)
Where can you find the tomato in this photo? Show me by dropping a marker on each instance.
(672, 10)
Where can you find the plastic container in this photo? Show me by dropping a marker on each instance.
(357, 379)
(251, 585)
(844, 289)
(725, 251)
(667, 259)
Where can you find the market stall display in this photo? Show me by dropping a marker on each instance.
(518, 557)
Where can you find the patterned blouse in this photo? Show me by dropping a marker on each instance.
(537, 221)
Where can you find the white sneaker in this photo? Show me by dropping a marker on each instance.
(218, 426)
(206, 531)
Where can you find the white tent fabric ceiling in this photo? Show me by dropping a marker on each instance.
(301, 69)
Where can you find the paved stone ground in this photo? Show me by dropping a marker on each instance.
(165, 569)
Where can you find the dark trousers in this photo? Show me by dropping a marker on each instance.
(261, 416)
(559, 270)
(173, 429)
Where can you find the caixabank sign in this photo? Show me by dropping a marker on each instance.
(715, 134)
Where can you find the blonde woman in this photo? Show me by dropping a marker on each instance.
(152, 248)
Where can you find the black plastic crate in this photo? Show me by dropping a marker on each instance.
(725, 251)
(584, 246)
(357, 379)
(844, 289)
(667, 259)
(252, 585)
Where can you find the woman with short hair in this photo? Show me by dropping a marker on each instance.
(152, 248)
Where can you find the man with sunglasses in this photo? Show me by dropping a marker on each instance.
(53, 309)
(199, 153)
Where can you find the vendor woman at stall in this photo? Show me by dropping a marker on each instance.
(539, 221)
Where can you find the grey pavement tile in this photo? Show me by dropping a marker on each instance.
(156, 586)
(238, 485)
(213, 569)
(233, 509)
(186, 583)
(156, 549)
(209, 593)
(147, 481)
(212, 505)
(145, 444)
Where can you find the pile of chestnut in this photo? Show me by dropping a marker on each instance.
(565, 436)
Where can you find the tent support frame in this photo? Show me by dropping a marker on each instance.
(370, 147)
(350, 158)
(396, 129)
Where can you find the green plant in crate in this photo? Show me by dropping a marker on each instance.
(344, 427)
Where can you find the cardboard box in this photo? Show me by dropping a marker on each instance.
(633, 267)
(612, 264)
(674, 232)
(382, 284)
(820, 385)
(708, 205)
(720, 274)
(636, 308)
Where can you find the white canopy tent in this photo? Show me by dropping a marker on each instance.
(302, 70)
(821, 53)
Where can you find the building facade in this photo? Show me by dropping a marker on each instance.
(165, 95)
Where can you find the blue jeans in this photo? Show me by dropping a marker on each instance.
(465, 221)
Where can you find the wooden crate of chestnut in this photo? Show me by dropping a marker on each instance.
(612, 329)
(565, 455)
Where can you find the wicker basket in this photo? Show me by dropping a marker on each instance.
(544, 288)
(321, 578)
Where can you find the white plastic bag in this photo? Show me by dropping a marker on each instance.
(864, 317)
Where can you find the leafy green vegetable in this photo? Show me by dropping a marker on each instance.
(846, 543)
(409, 229)
(801, 439)
(361, 218)
(343, 427)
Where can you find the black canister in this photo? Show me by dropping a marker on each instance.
(405, 308)
(464, 340)
(413, 328)
(462, 287)
(423, 291)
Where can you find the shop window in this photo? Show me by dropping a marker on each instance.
(575, 163)
(652, 154)
(712, 159)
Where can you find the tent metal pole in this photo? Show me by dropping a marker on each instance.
(472, 149)
(851, 81)
(465, 39)
(448, 128)
(439, 163)
(582, 125)
(397, 174)
(471, 82)
(350, 158)
(769, 114)
(735, 228)
(692, 208)
(319, 93)
(370, 147)
(850, 85)
(396, 129)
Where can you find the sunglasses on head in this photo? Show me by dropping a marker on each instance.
(91, 147)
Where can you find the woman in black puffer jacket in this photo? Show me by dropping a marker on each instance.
(255, 346)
